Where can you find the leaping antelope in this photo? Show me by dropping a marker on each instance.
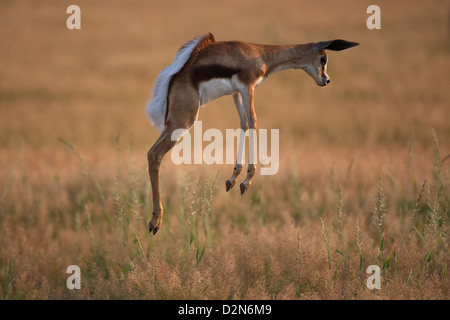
(204, 70)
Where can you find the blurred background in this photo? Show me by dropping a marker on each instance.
(385, 113)
(87, 85)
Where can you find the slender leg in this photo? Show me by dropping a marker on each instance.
(240, 153)
(248, 98)
(154, 157)
(183, 111)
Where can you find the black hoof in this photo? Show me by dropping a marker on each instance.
(243, 188)
(228, 185)
(151, 228)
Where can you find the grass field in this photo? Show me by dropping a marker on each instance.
(364, 163)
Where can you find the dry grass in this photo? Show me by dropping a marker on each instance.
(364, 174)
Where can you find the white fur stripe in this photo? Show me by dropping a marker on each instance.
(157, 108)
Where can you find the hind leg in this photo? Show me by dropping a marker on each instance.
(154, 157)
(182, 113)
(165, 142)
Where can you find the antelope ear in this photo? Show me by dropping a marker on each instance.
(335, 45)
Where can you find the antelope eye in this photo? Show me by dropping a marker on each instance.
(323, 60)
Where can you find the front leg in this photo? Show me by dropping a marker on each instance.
(240, 153)
(248, 102)
(251, 169)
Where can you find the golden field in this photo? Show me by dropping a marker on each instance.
(364, 168)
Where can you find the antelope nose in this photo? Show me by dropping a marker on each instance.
(328, 81)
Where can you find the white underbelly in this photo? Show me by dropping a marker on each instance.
(214, 89)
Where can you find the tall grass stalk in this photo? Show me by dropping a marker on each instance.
(137, 242)
(190, 214)
(435, 233)
(89, 226)
(341, 217)
(437, 164)
(409, 162)
(203, 219)
(135, 204)
(298, 266)
(200, 219)
(119, 215)
(359, 243)
(7, 283)
(380, 210)
(209, 212)
(415, 211)
(326, 242)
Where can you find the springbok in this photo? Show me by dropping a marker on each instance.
(204, 70)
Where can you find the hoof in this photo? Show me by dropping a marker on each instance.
(155, 223)
(228, 185)
(151, 228)
(243, 188)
